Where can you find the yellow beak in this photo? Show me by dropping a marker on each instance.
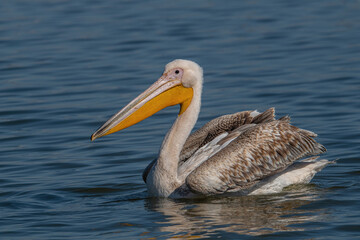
(163, 93)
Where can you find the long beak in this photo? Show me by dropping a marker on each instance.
(163, 93)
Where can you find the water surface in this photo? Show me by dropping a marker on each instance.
(66, 66)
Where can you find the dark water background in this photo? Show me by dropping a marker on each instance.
(66, 66)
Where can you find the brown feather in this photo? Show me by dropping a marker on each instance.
(260, 151)
(217, 126)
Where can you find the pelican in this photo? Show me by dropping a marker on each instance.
(244, 153)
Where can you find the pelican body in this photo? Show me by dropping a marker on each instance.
(238, 154)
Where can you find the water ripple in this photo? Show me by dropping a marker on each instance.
(67, 66)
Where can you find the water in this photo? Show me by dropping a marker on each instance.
(66, 66)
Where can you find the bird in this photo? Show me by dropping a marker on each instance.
(244, 153)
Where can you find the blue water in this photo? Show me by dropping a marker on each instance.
(66, 66)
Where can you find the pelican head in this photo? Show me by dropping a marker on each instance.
(178, 84)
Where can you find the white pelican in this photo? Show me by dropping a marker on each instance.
(243, 153)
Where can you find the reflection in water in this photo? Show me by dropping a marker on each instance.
(250, 215)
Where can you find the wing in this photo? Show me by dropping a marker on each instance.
(260, 151)
(217, 126)
(213, 129)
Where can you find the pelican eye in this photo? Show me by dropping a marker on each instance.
(177, 71)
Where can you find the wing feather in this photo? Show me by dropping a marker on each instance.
(260, 151)
(217, 126)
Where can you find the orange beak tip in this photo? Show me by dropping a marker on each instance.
(92, 138)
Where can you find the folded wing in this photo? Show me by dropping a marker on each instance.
(259, 151)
